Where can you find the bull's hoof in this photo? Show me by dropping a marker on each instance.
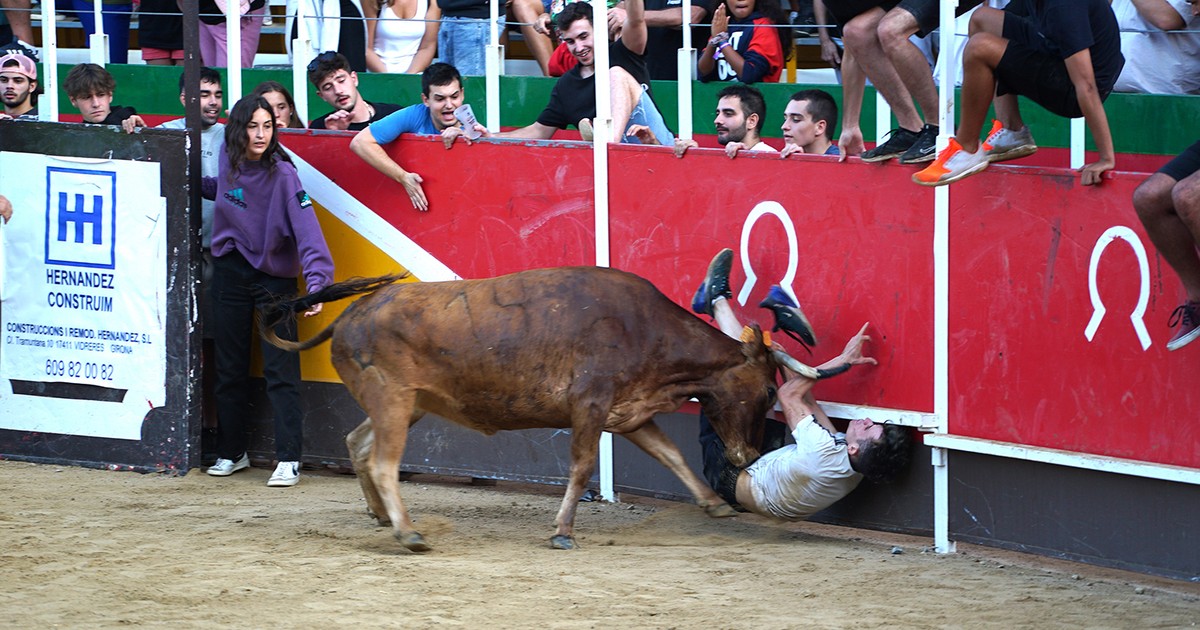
(413, 541)
(563, 542)
(720, 510)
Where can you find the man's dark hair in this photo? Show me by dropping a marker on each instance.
(326, 64)
(752, 102)
(207, 75)
(881, 460)
(571, 14)
(439, 74)
(87, 79)
(821, 106)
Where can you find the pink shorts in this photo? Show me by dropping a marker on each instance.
(149, 54)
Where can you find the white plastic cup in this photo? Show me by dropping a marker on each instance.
(467, 118)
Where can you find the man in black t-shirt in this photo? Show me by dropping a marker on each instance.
(573, 100)
(664, 21)
(1063, 55)
(337, 85)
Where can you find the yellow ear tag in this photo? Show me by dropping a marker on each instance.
(748, 336)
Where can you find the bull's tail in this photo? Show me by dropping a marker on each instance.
(282, 309)
(269, 336)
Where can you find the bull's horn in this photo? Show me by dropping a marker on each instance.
(807, 371)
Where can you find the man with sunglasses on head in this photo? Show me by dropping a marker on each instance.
(337, 84)
(795, 481)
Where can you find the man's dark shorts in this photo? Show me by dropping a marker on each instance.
(844, 11)
(928, 15)
(1184, 165)
(1030, 70)
(924, 11)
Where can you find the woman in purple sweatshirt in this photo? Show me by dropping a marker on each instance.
(264, 233)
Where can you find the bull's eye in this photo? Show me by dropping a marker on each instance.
(771, 396)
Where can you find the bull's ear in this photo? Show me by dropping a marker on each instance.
(753, 346)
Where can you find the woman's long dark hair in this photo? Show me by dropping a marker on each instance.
(236, 139)
(773, 10)
(266, 87)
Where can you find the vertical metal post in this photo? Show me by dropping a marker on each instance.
(48, 103)
(601, 125)
(1077, 142)
(233, 52)
(941, 288)
(686, 67)
(98, 42)
(493, 65)
(883, 117)
(303, 42)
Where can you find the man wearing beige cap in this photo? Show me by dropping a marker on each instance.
(18, 86)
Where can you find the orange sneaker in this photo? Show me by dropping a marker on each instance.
(951, 165)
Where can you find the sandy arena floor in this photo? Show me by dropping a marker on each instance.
(104, 549)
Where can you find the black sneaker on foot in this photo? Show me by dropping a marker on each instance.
(716, 283)
(1187, 318)
(899, 140)
(924, 149)
(789, 318)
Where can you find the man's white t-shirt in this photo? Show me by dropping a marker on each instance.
(1158, 62)
(801, 479)
(212, 140)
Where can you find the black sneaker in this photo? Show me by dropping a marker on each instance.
(789, 318)
(716, 283)
(924, 149)
(899, 140)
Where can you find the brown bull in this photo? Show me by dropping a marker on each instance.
(584, 348)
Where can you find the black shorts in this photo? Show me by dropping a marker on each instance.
(845, 10)
(1184, 165)
(927, 15)
(1029, 69)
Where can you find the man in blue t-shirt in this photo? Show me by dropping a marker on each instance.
(441, 95)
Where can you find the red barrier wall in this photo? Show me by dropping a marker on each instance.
(1022, 369)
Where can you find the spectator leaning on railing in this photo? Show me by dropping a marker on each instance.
(337, 85)
(90, 89)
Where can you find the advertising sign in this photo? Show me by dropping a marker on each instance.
(84, 295)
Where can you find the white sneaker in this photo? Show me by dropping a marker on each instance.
(226, 467)
(286, 474)
(951, 165)
(1005, 144)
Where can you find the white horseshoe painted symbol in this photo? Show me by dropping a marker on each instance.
(1120, 232)
(762, 209)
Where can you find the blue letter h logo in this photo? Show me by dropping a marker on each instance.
(80, 218)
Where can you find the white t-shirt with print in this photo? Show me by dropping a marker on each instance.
(801, 479)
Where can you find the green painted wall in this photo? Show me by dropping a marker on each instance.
(1151, 124)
